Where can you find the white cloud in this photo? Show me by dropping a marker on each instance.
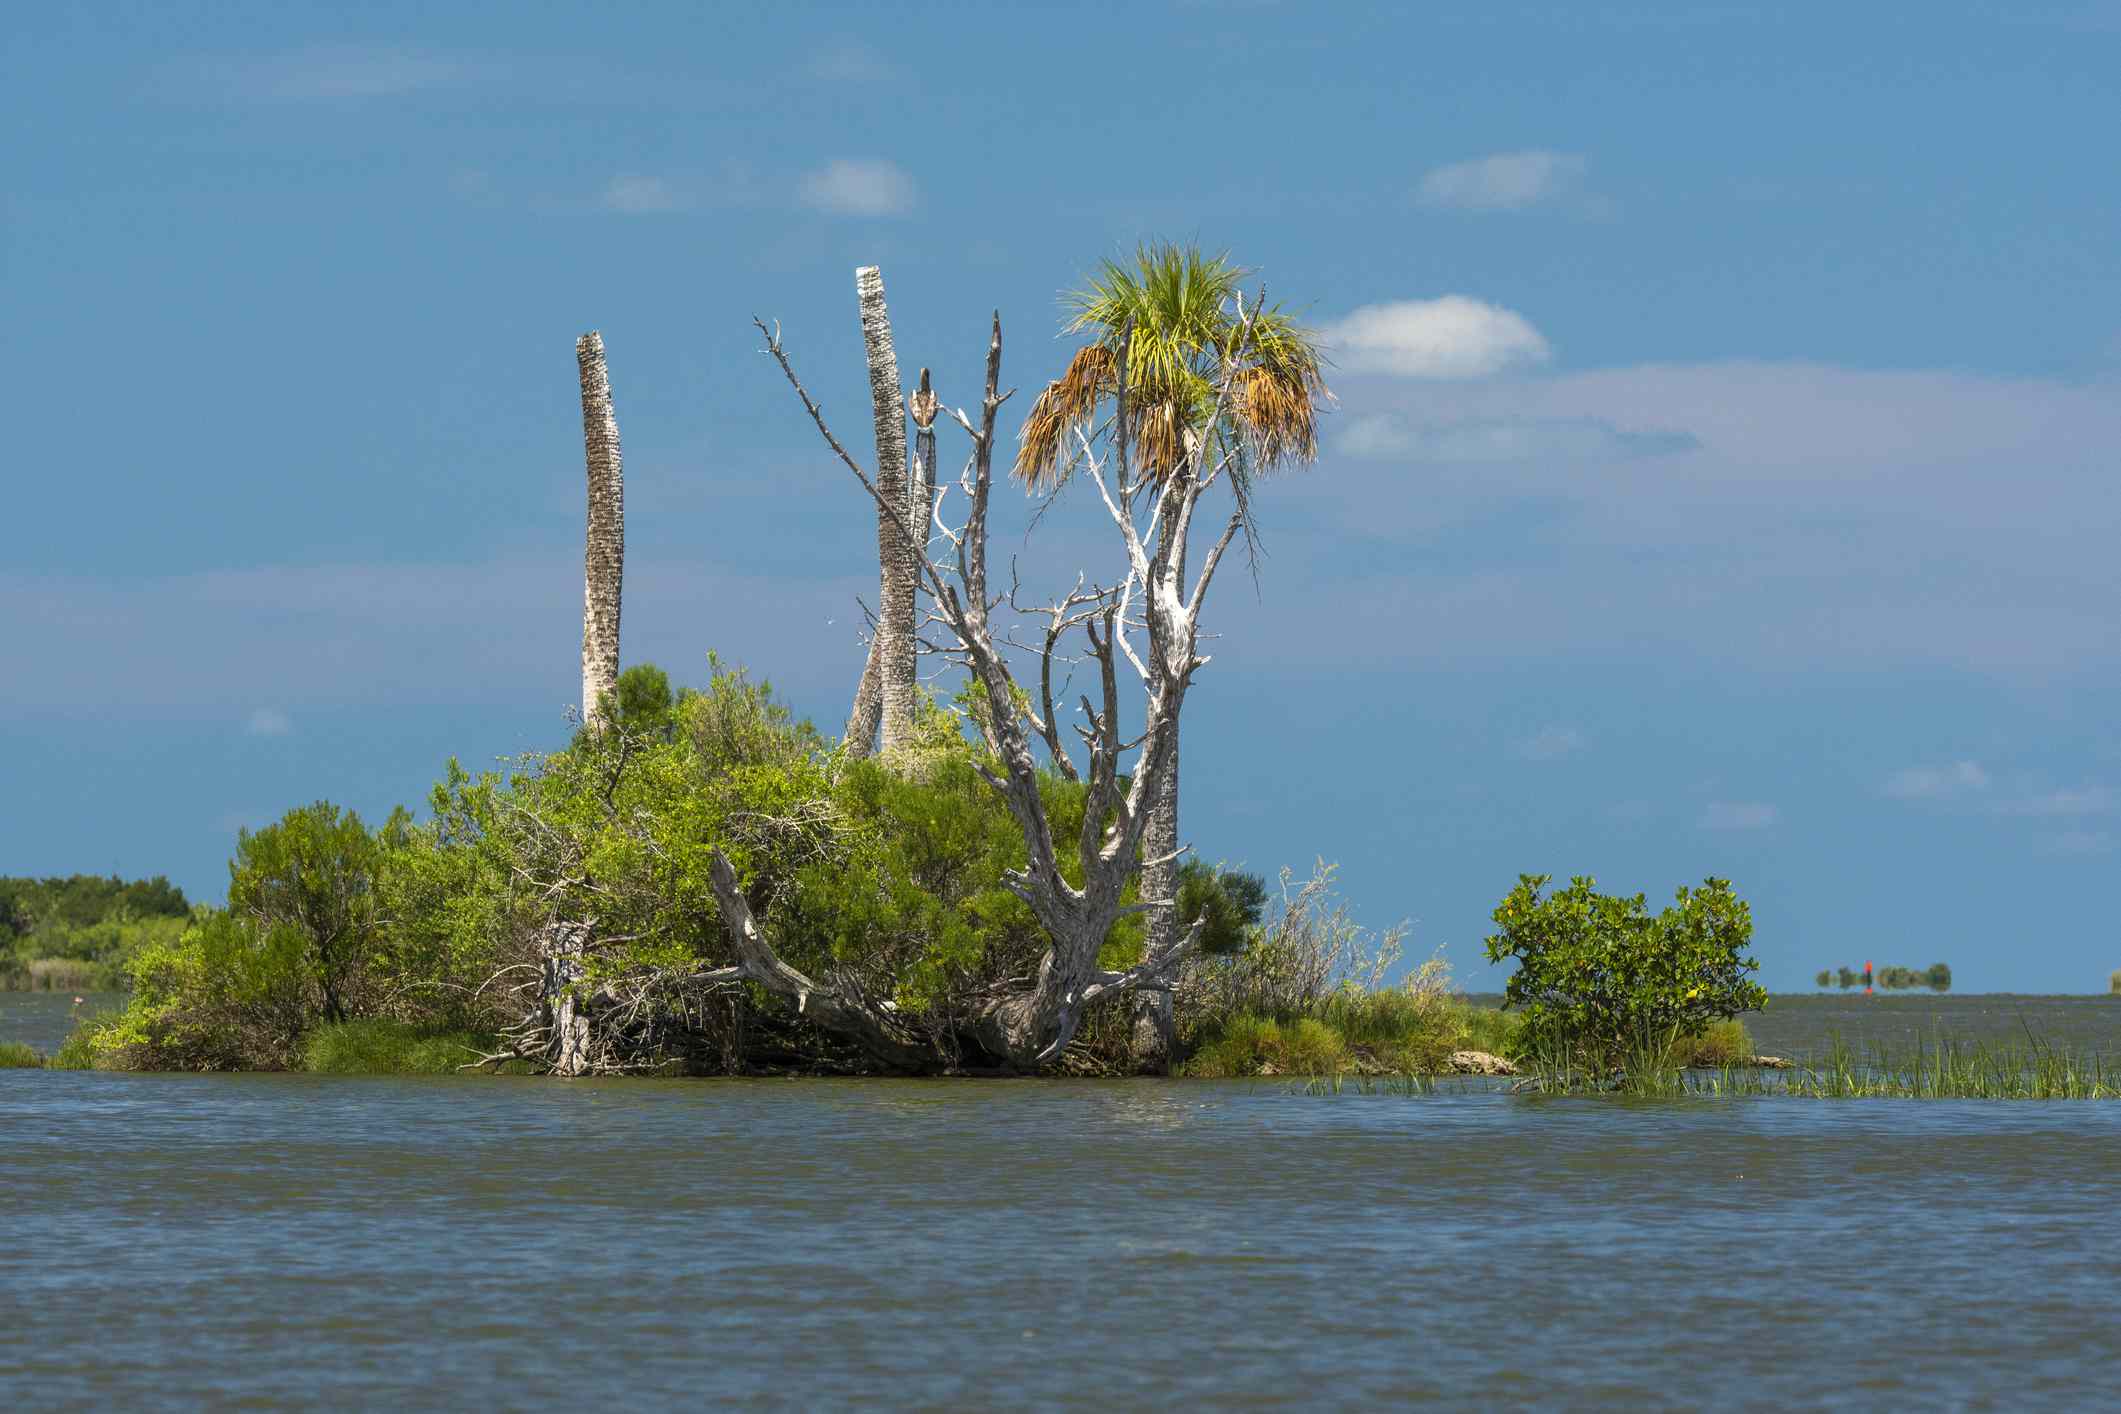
(1455, 336)
(1552, 744)
(321, 74)
(851, 187)
(2080, 800)
(1506, 181)
(638, 196)
(2082, 842)
(1392, 437)
(1739, 815)
(1937, 782)
(268, 721)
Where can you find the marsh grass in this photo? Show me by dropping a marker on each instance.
(1946, 1069)
(1938, 1069)
(15, 1055)
(392, 1048)
(1391, 1032)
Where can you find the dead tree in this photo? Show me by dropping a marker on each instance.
(1027, 1024)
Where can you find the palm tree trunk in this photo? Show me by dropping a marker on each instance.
(604, 559)
(895, 550)
(868, 712)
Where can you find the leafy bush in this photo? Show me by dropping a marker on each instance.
(77, 1051)
(1605, 986)
(310, 881)
(2113, 982)
(230, 994)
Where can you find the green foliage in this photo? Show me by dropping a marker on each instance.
(230, 994)
(78, 934)
(309, 882)
(1824, 980)
(15, 1055)
(2113, 982)
(645, 702)
(77, 1051)
(27, 904)
(1249, 1044)
(1605, 986)
(382, 1047)
(1232, 903)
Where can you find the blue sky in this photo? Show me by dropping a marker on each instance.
(1724, 479)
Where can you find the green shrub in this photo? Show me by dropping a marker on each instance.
(2113, 982)
(77, 1051)
(229, 994)
(310, 879)
(15, 1055)
(379, 1047)
(1605, 986)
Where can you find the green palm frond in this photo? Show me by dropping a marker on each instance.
(1172, 312)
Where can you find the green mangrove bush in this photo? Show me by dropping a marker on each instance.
(1605, 986)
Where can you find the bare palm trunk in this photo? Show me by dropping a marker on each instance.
(868, 713)
(897, 556)
(604, 561)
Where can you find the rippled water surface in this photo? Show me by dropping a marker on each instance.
(288, 1240)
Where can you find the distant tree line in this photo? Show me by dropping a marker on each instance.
(1937, 977)
(78, 933)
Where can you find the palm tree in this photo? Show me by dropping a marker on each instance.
(604, 557)
(1210, 381)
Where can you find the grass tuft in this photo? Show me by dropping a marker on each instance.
(390, 1048)
(14, 1055)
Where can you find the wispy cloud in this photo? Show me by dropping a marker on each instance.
(1455, 336)
(639, 196)
(860, 187)
(268, 721)
(2083, 842)
(1739, 815)
(2078, 800)
(1391, 436)
(1937, 782)
(1505, 181)
(850, 61)
(318, 74)
(1552, 744)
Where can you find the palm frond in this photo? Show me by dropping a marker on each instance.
(1067, 402)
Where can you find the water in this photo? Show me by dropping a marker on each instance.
(276, 1241)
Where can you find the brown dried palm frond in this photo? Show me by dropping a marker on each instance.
(1278, 394)
(1158, 431)
(1280, 418)
(1067, 402)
